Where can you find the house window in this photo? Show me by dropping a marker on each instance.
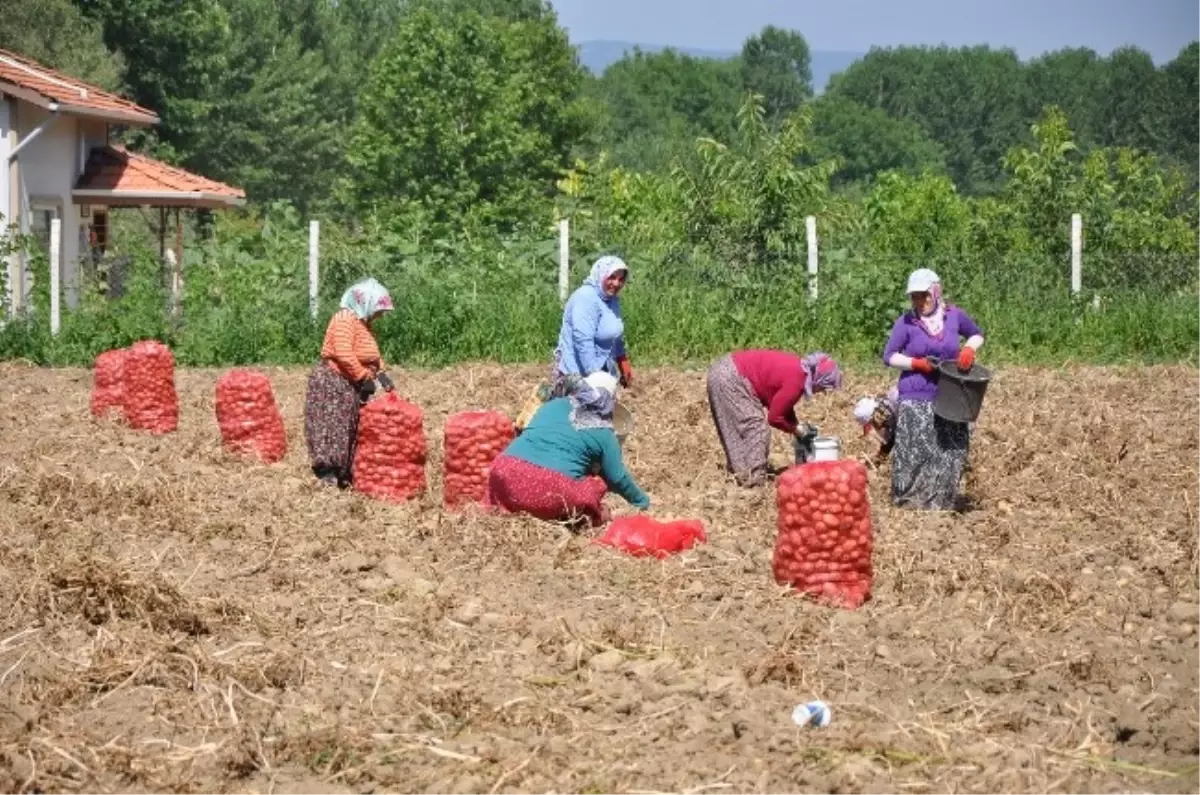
(98, 236)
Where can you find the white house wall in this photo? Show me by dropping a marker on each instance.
(47, 171)
(10, 264)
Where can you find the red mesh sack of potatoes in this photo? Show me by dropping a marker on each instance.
(151, 403)
(108, 383)
(642, 536)
(473, 439)
(824, 542)
(249, 420)
(389, 462)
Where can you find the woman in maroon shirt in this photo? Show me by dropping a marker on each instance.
(743, 383)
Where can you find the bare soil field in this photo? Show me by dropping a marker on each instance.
(176, 619)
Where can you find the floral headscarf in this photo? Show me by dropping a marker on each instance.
(365, 298)
(821, 373)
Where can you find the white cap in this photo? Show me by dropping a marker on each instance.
(864, 408)
(921, 280)
(602, 380)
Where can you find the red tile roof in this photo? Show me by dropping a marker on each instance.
(31, 81)
(115, 176)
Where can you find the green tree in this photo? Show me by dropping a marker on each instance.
(1181, 107)
(55, 33)
(867, 141)
(970, 101)
(175, 54)
(463, 112)
(746, 201)
(1130, 100)
(777, 64)
(653, 106)
(1072, 80)
(273, 128)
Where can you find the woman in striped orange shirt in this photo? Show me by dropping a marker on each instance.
(343, 379)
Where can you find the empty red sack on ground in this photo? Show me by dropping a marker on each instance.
(640, 535)
(248, 417)
(824, 543)
(389, 459)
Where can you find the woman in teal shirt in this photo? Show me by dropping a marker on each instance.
(547, 471)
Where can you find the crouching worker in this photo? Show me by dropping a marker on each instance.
(546, 472)
(877, 416)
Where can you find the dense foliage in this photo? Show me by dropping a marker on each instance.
(439, 141)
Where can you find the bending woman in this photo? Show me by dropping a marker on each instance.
(342, 380)
(744, 383)
(546, 471)
(929, 452)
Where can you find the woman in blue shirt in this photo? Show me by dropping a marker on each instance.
(546, 472)
(592, 336)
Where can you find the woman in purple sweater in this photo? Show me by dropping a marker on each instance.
(930, 452)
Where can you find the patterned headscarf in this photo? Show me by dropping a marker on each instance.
(602, 269)
(821, 373)
(365, 298)
(593, 402)
(925, 280)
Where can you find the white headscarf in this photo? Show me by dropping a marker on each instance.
(864, 409)
(602, 269)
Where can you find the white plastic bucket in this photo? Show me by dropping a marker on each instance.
(827, 448)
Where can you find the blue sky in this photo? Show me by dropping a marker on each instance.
(1031, 27)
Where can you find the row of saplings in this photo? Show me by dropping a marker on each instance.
(823, 547)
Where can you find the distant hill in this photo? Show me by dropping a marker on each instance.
(597, 56)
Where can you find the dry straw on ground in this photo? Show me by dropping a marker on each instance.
(176, 619)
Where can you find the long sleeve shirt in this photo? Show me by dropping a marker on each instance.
(350, 347)
(592, 336)
(910, 338)
(551, 441)
(778, 380)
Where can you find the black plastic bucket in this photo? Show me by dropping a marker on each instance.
(960, 395)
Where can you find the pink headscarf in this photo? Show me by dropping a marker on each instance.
(821, 373)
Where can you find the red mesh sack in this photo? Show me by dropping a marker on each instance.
(473, 440)
(249, 420)
(151, 402)
(641, 536)
(389, 462)
(824, 542)
(108, 384)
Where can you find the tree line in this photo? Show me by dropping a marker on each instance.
(436, 110)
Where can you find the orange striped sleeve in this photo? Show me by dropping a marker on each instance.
(339, 345)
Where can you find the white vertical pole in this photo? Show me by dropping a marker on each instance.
(55, 273)
(314, 283)
(1076, 253)
(564, 259)
(810, 226)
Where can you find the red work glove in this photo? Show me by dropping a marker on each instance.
(966, 358)
(922, 365)
(626, 371)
